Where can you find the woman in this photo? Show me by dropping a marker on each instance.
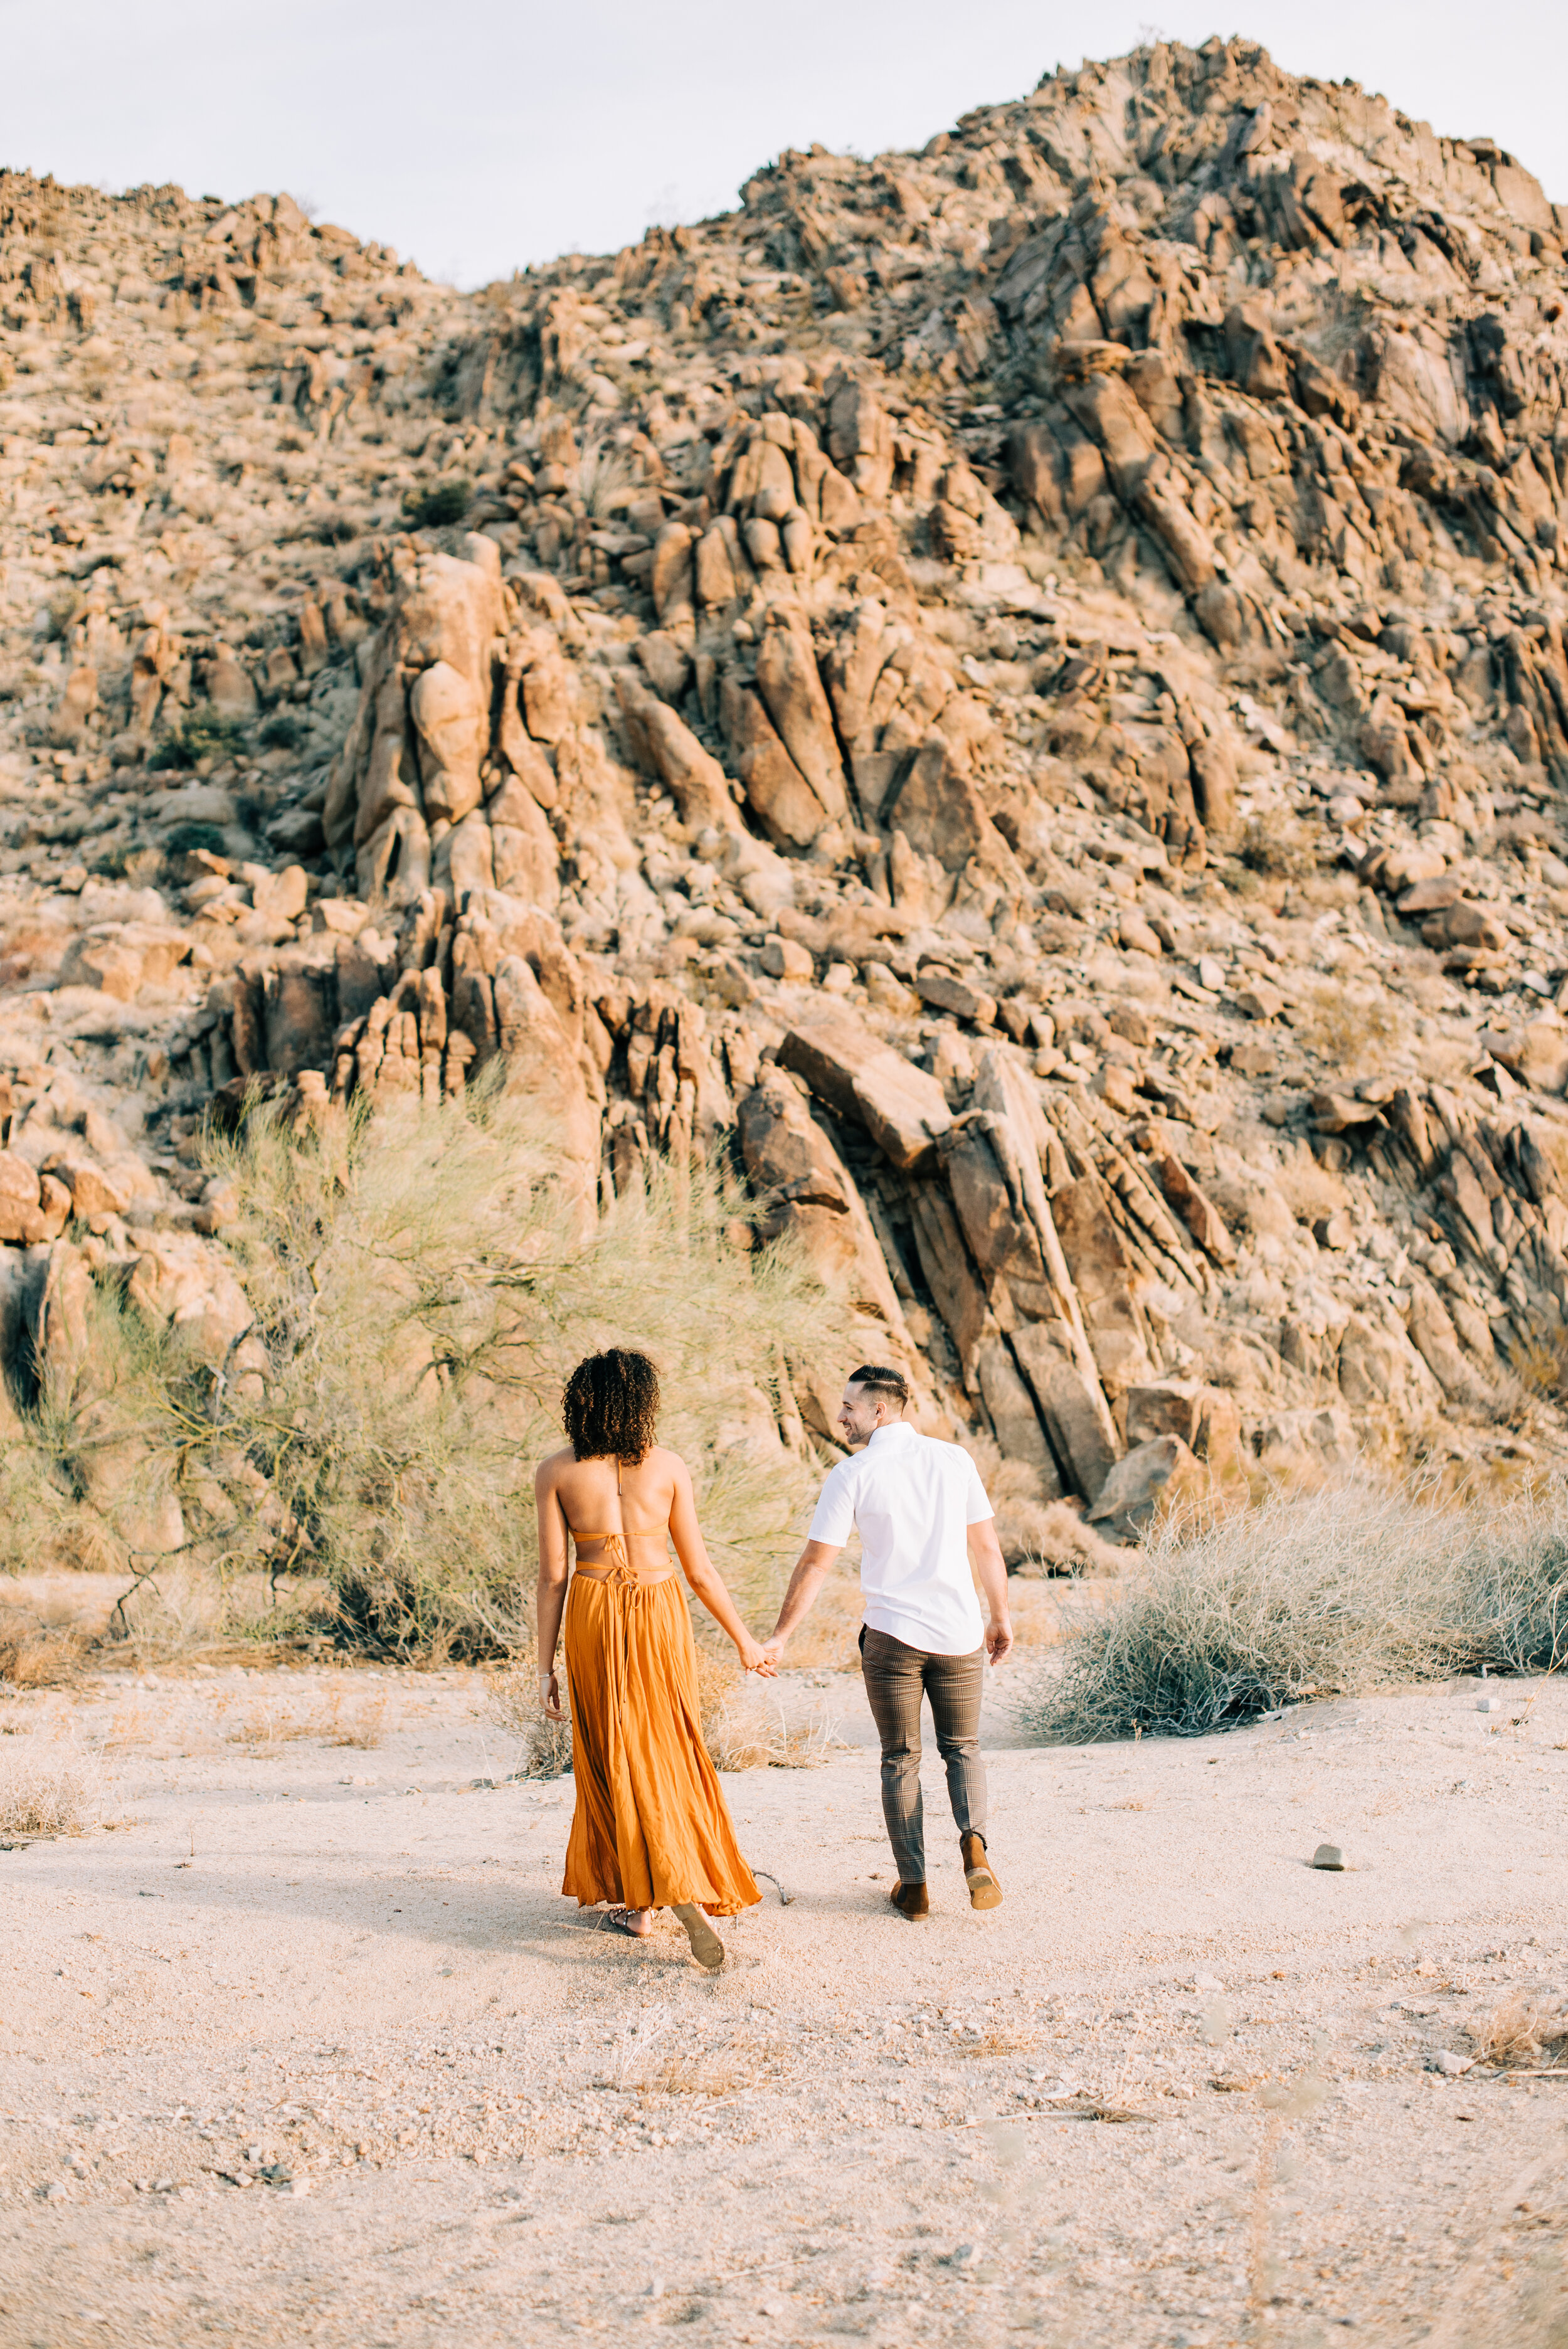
(651, 1829)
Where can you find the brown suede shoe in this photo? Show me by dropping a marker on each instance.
(985, 1892)
(911, 1900)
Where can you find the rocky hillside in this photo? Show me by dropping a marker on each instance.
(1019, 690)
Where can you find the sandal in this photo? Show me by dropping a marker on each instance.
(620, 1921)
(705, 1946)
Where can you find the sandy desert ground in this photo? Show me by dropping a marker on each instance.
(300, 2044)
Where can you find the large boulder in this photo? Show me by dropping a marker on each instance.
(903, 1108)
(452, 720)
(33, 1208)
(1206, 1419)
(664, 745)
(1071, 1405)
(788, 681)
(1149, 1481)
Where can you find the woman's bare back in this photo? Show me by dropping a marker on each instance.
(602, 1496)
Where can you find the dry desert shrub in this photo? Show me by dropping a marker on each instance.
(513, 1703)
(746, 1724)
(427, 1283)
(1309, 1191)
(549, 1748)
(176, 1616)
(1541, 1364)
(421, 1285)
(725, 1732)
(1055, 1539)
(1349, 1023)
(1281, 849)
(43, 1794)
(1334, 1592)
(826, 1641)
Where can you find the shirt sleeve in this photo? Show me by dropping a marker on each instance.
(976, 1508)
(835, 1515)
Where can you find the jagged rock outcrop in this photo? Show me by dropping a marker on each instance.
(1020, 689)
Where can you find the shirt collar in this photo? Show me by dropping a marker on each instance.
(897, 1428)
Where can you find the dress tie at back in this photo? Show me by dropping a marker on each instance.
(620, 1571)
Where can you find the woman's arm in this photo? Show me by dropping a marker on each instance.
(551, 1595)
(691, 1551)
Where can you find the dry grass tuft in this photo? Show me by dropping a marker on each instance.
(1541, 1364)
(1520, 2030)
(747, 1725)
(721, 2073)
(43, 1794)
(647, 2065)
(341, 1721)
(1037, 1536)
(983, 2044)
(1280, 849)
(1335, 1592)
(549, 1748)
(35, 1654)
(727, 1732)
(1056, 1540)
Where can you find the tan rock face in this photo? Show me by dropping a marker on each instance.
(450, 720)
(803, 1188)
(1097, 729)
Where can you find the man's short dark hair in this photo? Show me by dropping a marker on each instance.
(881, 1380)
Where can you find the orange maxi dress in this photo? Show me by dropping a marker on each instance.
(651, 1828)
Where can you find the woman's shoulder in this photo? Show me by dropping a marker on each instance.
(659, 1457)
(550, 1466)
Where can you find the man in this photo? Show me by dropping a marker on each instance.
(923, 1516)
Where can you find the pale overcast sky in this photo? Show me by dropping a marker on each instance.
(477, 137)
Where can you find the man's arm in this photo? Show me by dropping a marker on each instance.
(804, 1584)
(986, 1555)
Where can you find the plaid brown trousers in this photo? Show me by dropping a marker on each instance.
(896, 1678)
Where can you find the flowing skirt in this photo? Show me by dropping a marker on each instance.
(651, 1828)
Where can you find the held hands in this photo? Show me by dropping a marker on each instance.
(998, 1640)
(756, 1659)
(550, 1696)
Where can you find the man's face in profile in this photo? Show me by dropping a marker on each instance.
(864, 1410)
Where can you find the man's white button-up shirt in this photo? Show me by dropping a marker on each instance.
(913, 1500)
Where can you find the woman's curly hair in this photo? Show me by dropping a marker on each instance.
(612, 1405)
